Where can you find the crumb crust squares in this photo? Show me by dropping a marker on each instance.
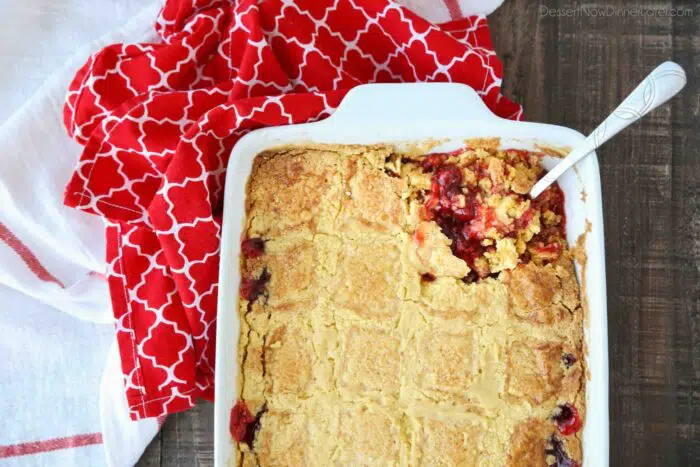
(407, 309)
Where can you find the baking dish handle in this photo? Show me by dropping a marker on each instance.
(397, 102)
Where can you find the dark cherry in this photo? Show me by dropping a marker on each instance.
(253, 247)
(252, 288)
(567, 419)
(427, 277)
(433, 160)
(470, 277)
(449, 179)
(568, 360)
(555, 448)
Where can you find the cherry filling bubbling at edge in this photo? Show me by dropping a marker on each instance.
(567, 419)
(252, 288)
(243, 425)
(253, 247)
(556, 449)
(239, 421)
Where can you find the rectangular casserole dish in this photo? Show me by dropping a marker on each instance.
(402, 114)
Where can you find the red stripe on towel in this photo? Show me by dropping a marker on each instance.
(35, 447)
(454, 9)
(27, 256)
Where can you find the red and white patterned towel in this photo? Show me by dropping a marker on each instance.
(158, 122)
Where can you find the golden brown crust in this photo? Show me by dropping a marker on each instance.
(289, 359)
(543, 294)
(368, 362)
(368, 435)
(446, 362)
(371, 282)
(298, 192)
(527, 443)
(534, 370)
(371, 199)
(444, 441)
(283, 439)
(370, 346)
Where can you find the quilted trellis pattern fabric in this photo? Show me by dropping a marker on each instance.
(158, 122)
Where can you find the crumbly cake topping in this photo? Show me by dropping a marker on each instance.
(406, 310)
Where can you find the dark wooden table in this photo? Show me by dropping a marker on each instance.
(572, 71)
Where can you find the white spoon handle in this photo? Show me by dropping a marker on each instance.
(662, 84)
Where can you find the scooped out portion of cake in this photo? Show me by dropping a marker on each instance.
(407, 309)
(479, 200)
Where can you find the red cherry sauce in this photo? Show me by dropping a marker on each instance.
(419, 236)
(240, 420)
(523, 154)
(567, 419)
(432, 161)
(252, 288)
(243, 425)
(453, 208)
(547, 243)
(253, 247)
(464, 220)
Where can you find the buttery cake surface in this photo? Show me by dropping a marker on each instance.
(406, 310)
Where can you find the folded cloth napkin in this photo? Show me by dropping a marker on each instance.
(158, 121)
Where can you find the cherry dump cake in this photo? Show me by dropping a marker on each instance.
(406, 309)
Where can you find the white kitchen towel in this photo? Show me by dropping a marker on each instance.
(50, 366)
(51, 257)
(60, 401)
(51, 252)
(124, 439)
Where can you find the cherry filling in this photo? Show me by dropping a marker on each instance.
(243, 425)
(465, 220)
(452, 208)
(427, 277)
(239, 421)
(252, 288)
(568, 360)
(436, 159)
(552, 199)
(523, 154)
(546, 242)
(555, 448)
(419, 236)
(567, 419)
(253, 247)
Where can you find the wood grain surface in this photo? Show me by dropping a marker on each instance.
(572, 71)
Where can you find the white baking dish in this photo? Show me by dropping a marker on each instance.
(404, 113)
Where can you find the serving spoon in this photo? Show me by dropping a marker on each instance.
(662, 84)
